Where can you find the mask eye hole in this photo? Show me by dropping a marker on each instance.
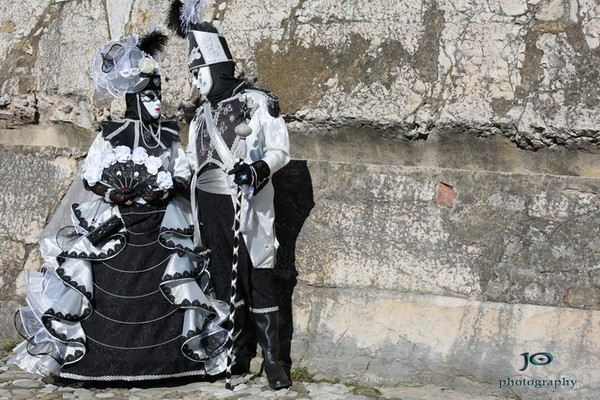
(149, 95)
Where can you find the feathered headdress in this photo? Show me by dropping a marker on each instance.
(207, 45)
(128, 65)
(153, 43)
(183, 16)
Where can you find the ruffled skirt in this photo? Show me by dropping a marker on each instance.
(128, 301)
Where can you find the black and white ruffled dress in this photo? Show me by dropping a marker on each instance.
(134, 306)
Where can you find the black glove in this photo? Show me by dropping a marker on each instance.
(242, 173)
(98, 188)
(180, 187)
(122, 196)
(149, 195)
(255, 175)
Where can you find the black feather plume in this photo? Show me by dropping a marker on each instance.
(173, 21)
(153, 42)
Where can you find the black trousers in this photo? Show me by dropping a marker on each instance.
(257, 287)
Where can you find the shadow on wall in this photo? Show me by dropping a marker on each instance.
(293, 203)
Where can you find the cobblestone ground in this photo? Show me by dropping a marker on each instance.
(18, 385)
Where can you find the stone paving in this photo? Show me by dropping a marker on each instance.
(16, 384)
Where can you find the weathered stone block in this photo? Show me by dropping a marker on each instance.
(583, 297)
(392, 338)
(595, 277)
(518, 238)
(12, 257)
(521, 69)
(33, 262)
(8, 334)
(32, 188)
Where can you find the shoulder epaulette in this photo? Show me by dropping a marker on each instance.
(272, 102)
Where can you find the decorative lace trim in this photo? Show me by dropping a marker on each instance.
(264, 310)
(182, 275)
(60, 336)
(82, 221)
(68, 317)
(60, 271)
(131, 377)
(189, 231)
(120, 245)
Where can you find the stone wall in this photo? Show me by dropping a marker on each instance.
(522, 69)
(447, 154)
(421, 274)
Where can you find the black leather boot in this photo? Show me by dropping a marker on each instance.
(267, 336)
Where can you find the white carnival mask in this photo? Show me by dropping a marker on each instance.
(151, 101)
(204, 80)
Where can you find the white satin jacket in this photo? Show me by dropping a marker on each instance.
(269, 142)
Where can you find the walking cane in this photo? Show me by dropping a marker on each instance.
(243, 131)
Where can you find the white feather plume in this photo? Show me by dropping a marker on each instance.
(193, 12)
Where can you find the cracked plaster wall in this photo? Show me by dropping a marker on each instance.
(523, 69)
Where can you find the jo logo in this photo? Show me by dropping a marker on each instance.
(536, 359)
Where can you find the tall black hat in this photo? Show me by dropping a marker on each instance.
(206, 43)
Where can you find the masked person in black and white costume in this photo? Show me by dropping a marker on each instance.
(232, 107)
(124, 294)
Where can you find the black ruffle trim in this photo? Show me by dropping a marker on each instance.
(70, 358)
(190, 353)
(189, 231)
(198, 304)
(82, 221)
(74, 284)
(186, 302)
(192, 333)
(94, 256)
(185, 275)
(60, 336)
(181, 251)
(68, 317)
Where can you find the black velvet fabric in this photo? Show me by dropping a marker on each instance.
(134, 278)
(254, 285)
(132, 102)
(224, 82)
(127, 136)
(227, 115)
